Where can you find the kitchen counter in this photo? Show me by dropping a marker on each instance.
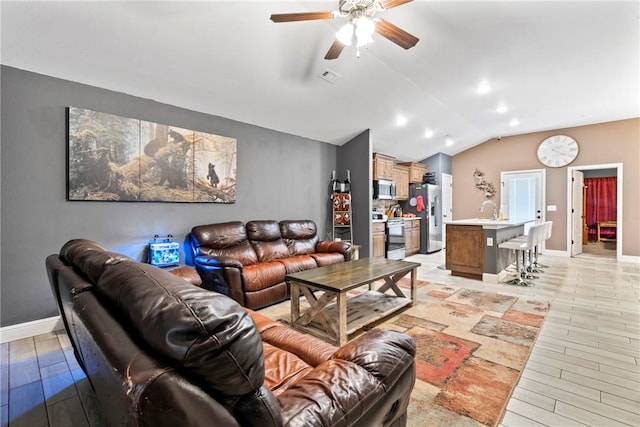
(472, 247)
(490, 224)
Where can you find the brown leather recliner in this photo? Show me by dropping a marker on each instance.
(162, 352)
(249, 262)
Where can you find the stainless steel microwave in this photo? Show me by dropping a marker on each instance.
(384, 190)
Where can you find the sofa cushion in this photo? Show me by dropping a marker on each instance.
(266, 240)
(263, 275)
(298, 263)
(282, 368)
(312, 350)
(227, 238)
(300, 236)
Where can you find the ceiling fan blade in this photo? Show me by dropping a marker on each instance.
(388, 4)
(335, 50)
(301, 16)
(396, 34)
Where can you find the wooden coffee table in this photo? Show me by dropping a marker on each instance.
(335, 321)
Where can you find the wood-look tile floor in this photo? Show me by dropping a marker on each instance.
(584, 369)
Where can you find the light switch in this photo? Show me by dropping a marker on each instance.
(552, 208)
(489, 241)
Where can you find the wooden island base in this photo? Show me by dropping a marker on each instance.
(472, 247)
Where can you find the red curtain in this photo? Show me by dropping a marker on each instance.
(601, 200)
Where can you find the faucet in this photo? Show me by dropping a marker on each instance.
(495, 208)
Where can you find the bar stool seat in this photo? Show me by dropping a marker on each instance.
(521, 247)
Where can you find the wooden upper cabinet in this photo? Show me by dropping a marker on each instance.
(416, 171)
(383, 166)
(401, 178)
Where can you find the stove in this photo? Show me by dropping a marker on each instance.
(395, 238)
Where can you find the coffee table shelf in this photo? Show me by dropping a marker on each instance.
(362, 310)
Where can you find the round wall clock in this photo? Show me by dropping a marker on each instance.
(557, 151)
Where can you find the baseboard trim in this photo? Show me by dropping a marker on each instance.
(551, 252)
(494, 278)
(629, 258)
(30, 329)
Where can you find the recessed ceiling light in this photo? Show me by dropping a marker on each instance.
(401, 121)
(483, 88)
(448, 140)
(428, 133)
(501, 109)
(514, 122)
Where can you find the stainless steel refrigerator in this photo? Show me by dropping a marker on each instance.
(425, 201)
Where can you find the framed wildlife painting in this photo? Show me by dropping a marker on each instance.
(114, 158)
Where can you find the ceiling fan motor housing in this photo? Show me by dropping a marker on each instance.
(353, 9)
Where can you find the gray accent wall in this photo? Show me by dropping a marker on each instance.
(279, 176)
(356, 156)
(439, 163)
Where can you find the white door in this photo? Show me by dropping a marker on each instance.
(447, 204)
(522, 196)
(577, 183)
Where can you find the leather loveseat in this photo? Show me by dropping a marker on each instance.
(159, 351)
(249, 262)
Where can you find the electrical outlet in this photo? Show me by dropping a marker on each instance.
(489, 241)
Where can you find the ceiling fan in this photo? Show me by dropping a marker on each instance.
(361, 24)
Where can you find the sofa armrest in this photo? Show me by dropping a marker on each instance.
(222, 274)
(335, 393)
(366, 382)
(312, 350)
(386, 354)
(342, 247)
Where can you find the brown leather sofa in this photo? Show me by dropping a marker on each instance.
(159, 351)
(249, 262)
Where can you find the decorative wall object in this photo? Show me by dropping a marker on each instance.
(482, 184)
(113, 158)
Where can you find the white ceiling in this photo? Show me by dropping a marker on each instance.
(554, 64)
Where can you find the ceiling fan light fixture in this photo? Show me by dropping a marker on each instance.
(345, 34)
(364, 30)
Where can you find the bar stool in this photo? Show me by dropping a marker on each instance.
(521, 248)
(533, 265)
(548, 226)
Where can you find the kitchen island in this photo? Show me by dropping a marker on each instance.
(472, 247)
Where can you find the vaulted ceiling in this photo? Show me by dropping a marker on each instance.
(552, 64)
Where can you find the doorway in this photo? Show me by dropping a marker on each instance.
(597, 231)
(523, 195)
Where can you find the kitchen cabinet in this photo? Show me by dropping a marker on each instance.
(401, 178)
(383, 166)
(379, 240)
(416, 171)
(412, 236)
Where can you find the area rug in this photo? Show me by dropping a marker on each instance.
(471, 348)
